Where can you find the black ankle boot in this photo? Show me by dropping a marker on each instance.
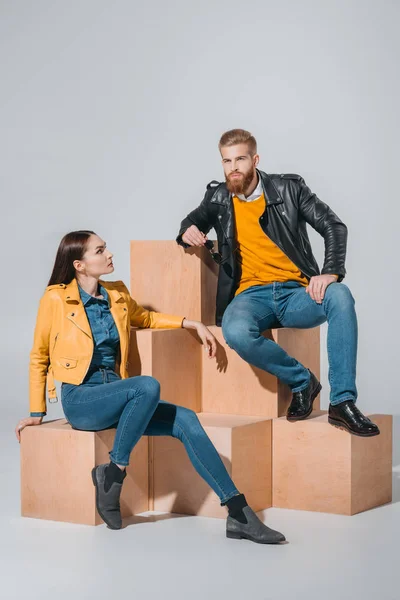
(243, 523)
(107, 480)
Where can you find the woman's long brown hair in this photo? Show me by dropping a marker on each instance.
(72, 247)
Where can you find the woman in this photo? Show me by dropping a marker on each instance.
(82, 339)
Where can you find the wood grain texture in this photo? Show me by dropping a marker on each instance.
(320, 468)
(56, 464)
(173, 357)
(231, 385)
(244, 445)
(167, 278)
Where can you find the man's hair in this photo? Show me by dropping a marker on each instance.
(238, 136)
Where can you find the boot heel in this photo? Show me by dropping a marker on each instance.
(233, 535)
(94, 476)
(317, 391)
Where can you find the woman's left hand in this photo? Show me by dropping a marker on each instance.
(209, 341)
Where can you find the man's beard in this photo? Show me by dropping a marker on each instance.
(238, 185)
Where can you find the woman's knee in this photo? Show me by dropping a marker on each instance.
(146, 386)
(187, 422)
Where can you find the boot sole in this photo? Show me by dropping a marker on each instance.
(313, 396)
(97, 501)
(242, 536)
(345, 427)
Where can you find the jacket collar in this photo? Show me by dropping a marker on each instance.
(224, 197)
(72, 295)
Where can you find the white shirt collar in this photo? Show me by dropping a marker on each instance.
(256, 194)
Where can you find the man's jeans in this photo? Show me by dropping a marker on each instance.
(134, 408)
(288, 305)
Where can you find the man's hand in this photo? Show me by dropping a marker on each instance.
(194, 237)
(25, 423)
(317, 286)
(209, 341)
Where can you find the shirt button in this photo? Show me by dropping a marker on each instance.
(72, 314)
(67, 364)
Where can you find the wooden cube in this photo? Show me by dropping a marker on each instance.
(167, 278)
(56, 480)
(244, 444)
(173, 357)
(320, 468)
(232, 386)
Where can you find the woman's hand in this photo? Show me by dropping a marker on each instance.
(209, 341)
(24, 423)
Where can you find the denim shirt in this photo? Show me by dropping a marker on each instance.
(104, 331)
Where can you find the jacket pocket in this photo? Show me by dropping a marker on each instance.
(67, 363)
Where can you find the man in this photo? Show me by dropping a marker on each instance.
(269, 278)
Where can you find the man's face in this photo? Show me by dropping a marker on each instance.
(239, 167)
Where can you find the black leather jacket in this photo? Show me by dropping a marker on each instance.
(290, 205)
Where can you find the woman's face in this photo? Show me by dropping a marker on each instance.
(97, 260)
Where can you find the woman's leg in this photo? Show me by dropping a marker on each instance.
(183, 424)
(127, 404)
(108, 401)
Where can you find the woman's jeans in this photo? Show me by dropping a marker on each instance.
(133, 406)
(288, 305)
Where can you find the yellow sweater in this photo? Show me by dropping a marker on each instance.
(261, 260)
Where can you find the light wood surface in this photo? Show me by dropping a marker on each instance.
(167, 278)
(318, 467)
(230, 385)
(173, 357)
(244, 445)
(56, 464)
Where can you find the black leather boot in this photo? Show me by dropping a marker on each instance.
(302, 402)
(347, 416)
(253, 529)
(108, 492)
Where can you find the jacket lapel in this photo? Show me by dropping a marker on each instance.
(75, 309)
(118, 309)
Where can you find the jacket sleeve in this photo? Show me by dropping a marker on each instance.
(40, 356)
(143, 318)
(201, 217)
(322, 218)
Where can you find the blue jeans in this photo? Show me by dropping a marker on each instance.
(133, 406)
(288, 305)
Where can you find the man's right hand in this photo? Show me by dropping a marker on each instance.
(194, 237)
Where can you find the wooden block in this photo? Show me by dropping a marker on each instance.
(320, 468)
(56, 465)
(244, 444)
(232, 386)
(167, 278)
(173, 357)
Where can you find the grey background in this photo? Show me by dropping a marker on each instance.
(110, 114)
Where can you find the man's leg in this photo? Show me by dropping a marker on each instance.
(297, 309)
(247, 316)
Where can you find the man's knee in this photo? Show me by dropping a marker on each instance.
(236, 331)
(340, 295)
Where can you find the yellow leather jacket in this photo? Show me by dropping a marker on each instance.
(63, 343)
